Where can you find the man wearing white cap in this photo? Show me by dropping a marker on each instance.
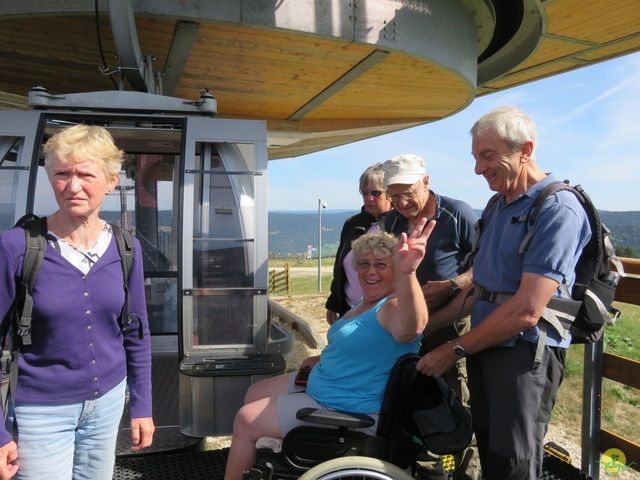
(442, 274)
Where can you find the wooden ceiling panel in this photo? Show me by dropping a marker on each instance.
(282, 72)
(398, 87)
(527, 76)
(72, 66)
(551, 50)
(616, 49)
(594, 21)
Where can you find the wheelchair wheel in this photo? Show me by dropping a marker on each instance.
(356, 468)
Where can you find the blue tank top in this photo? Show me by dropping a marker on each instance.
(354, 367)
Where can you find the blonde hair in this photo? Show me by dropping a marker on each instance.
(380, 244)
(81, 143)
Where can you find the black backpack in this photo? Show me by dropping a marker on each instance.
(590, 305)
(421, 412)
(16, 326)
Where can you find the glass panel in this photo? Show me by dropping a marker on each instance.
(223, 245)
(45, 201)
(150, 216)
(223, 320)
(154, 210)
(162, 304)
(220, 264)
(10, 148)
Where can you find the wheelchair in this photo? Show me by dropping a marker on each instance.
(329, 448)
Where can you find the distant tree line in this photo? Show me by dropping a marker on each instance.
(292, 232)
(626, 252)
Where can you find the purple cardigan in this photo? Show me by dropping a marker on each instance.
(78, 352)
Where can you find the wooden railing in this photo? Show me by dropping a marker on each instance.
(598, 365)
(280, 281)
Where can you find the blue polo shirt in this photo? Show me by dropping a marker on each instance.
(561, 232)
(449, 243)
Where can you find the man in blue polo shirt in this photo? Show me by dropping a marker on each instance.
(441, 275)
(511, 395)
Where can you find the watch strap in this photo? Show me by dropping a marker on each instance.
(455, 286)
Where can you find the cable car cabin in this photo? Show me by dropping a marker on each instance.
(193, 190)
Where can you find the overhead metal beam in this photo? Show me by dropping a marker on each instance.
(125, 38)
(362, 67)
(183, 40)
(122, 101)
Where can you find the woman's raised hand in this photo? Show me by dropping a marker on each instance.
(410, 249)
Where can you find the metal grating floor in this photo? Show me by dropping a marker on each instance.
(209, 465)
(555, 469)
(166, 412)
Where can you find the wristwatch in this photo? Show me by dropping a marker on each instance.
(455, 286)
(459, 350)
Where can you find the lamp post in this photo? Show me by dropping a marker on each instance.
(321, 205)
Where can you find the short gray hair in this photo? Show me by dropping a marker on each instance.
(511, 124)
(374, 174)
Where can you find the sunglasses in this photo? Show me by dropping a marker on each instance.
(376, 193)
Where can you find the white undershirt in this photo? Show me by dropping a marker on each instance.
(82, 260)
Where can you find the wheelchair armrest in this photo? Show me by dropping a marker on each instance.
(337, 419)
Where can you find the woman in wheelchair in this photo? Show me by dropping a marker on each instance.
(351, 373)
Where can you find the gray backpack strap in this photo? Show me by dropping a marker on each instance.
(559, 320)
(611, 252)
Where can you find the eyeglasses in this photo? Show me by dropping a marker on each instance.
(376, 193)
(408, 195)
(365, 266)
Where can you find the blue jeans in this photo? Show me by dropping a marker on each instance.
(65, 442)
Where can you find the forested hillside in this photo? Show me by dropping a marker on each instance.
(625, 228)
(292, 232)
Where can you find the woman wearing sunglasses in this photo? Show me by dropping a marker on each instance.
(345, 288)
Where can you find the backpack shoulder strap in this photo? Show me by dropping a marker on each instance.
(124, 241)
(530, 218)
(35, 235)
(19, 324)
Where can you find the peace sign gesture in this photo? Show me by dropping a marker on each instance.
(410, 249)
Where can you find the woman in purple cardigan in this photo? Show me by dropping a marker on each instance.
(70, 393)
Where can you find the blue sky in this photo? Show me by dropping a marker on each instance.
(588, 132)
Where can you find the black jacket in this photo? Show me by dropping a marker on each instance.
(353, 227)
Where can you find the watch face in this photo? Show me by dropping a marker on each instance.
(459, 351)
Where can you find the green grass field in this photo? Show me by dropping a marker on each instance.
(620, 403)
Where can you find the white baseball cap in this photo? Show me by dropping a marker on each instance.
(404, 169)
